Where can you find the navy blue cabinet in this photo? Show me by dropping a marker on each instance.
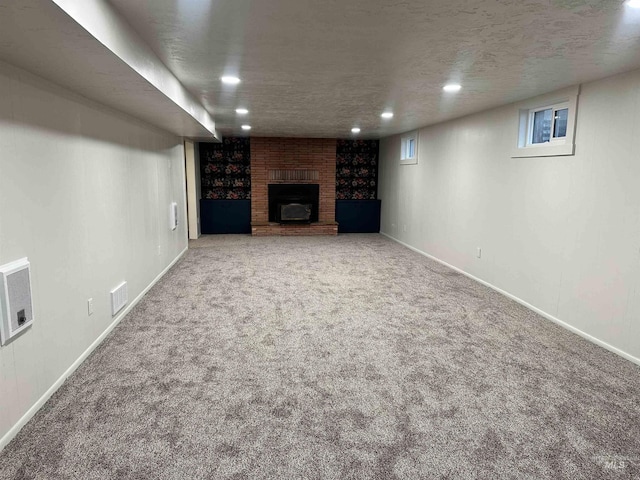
(225, 216)
(358, 216)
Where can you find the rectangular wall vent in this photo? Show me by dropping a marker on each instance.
(16, 313)
(119, 298)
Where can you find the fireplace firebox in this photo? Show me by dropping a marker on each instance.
(294, 203)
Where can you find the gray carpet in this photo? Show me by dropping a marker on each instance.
(333, 358)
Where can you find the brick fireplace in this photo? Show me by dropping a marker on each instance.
(293, 161)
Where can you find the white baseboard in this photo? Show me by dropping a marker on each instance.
(542, 313)
(4, 441)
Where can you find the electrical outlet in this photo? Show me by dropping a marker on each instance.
(90, 306)
(159, 249)
(479, 252)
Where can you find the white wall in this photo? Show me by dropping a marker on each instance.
(192, 162)
(560, 233)
(85, 194)
(196, 150)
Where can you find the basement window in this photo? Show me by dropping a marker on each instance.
(546, 128)
(548, 124)
(409, 149)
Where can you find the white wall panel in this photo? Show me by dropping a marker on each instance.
(85, 194)
(560, 233)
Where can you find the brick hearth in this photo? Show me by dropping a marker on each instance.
(299, 158)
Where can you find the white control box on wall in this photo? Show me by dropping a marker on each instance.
(173, 216)
(15, 299)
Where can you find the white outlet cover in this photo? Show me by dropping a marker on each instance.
(90, 306)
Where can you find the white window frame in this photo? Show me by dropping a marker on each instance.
(405, 159)
(554, 109)
(555, 146)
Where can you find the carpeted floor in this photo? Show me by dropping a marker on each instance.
(333, 358)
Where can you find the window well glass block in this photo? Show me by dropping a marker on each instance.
(560, 127)
(542, 126)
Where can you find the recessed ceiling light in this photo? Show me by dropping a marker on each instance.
(633, 3)
(453, 87)
(246, 127)
(355, 130)
(387, 115)
(230, 80)
(242, 111)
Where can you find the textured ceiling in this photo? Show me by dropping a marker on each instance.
(317, 68)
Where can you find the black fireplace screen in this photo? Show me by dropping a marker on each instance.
(295, 212)
(294, 202)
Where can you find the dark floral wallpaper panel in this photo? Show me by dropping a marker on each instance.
(225, 169)
(357, 169)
